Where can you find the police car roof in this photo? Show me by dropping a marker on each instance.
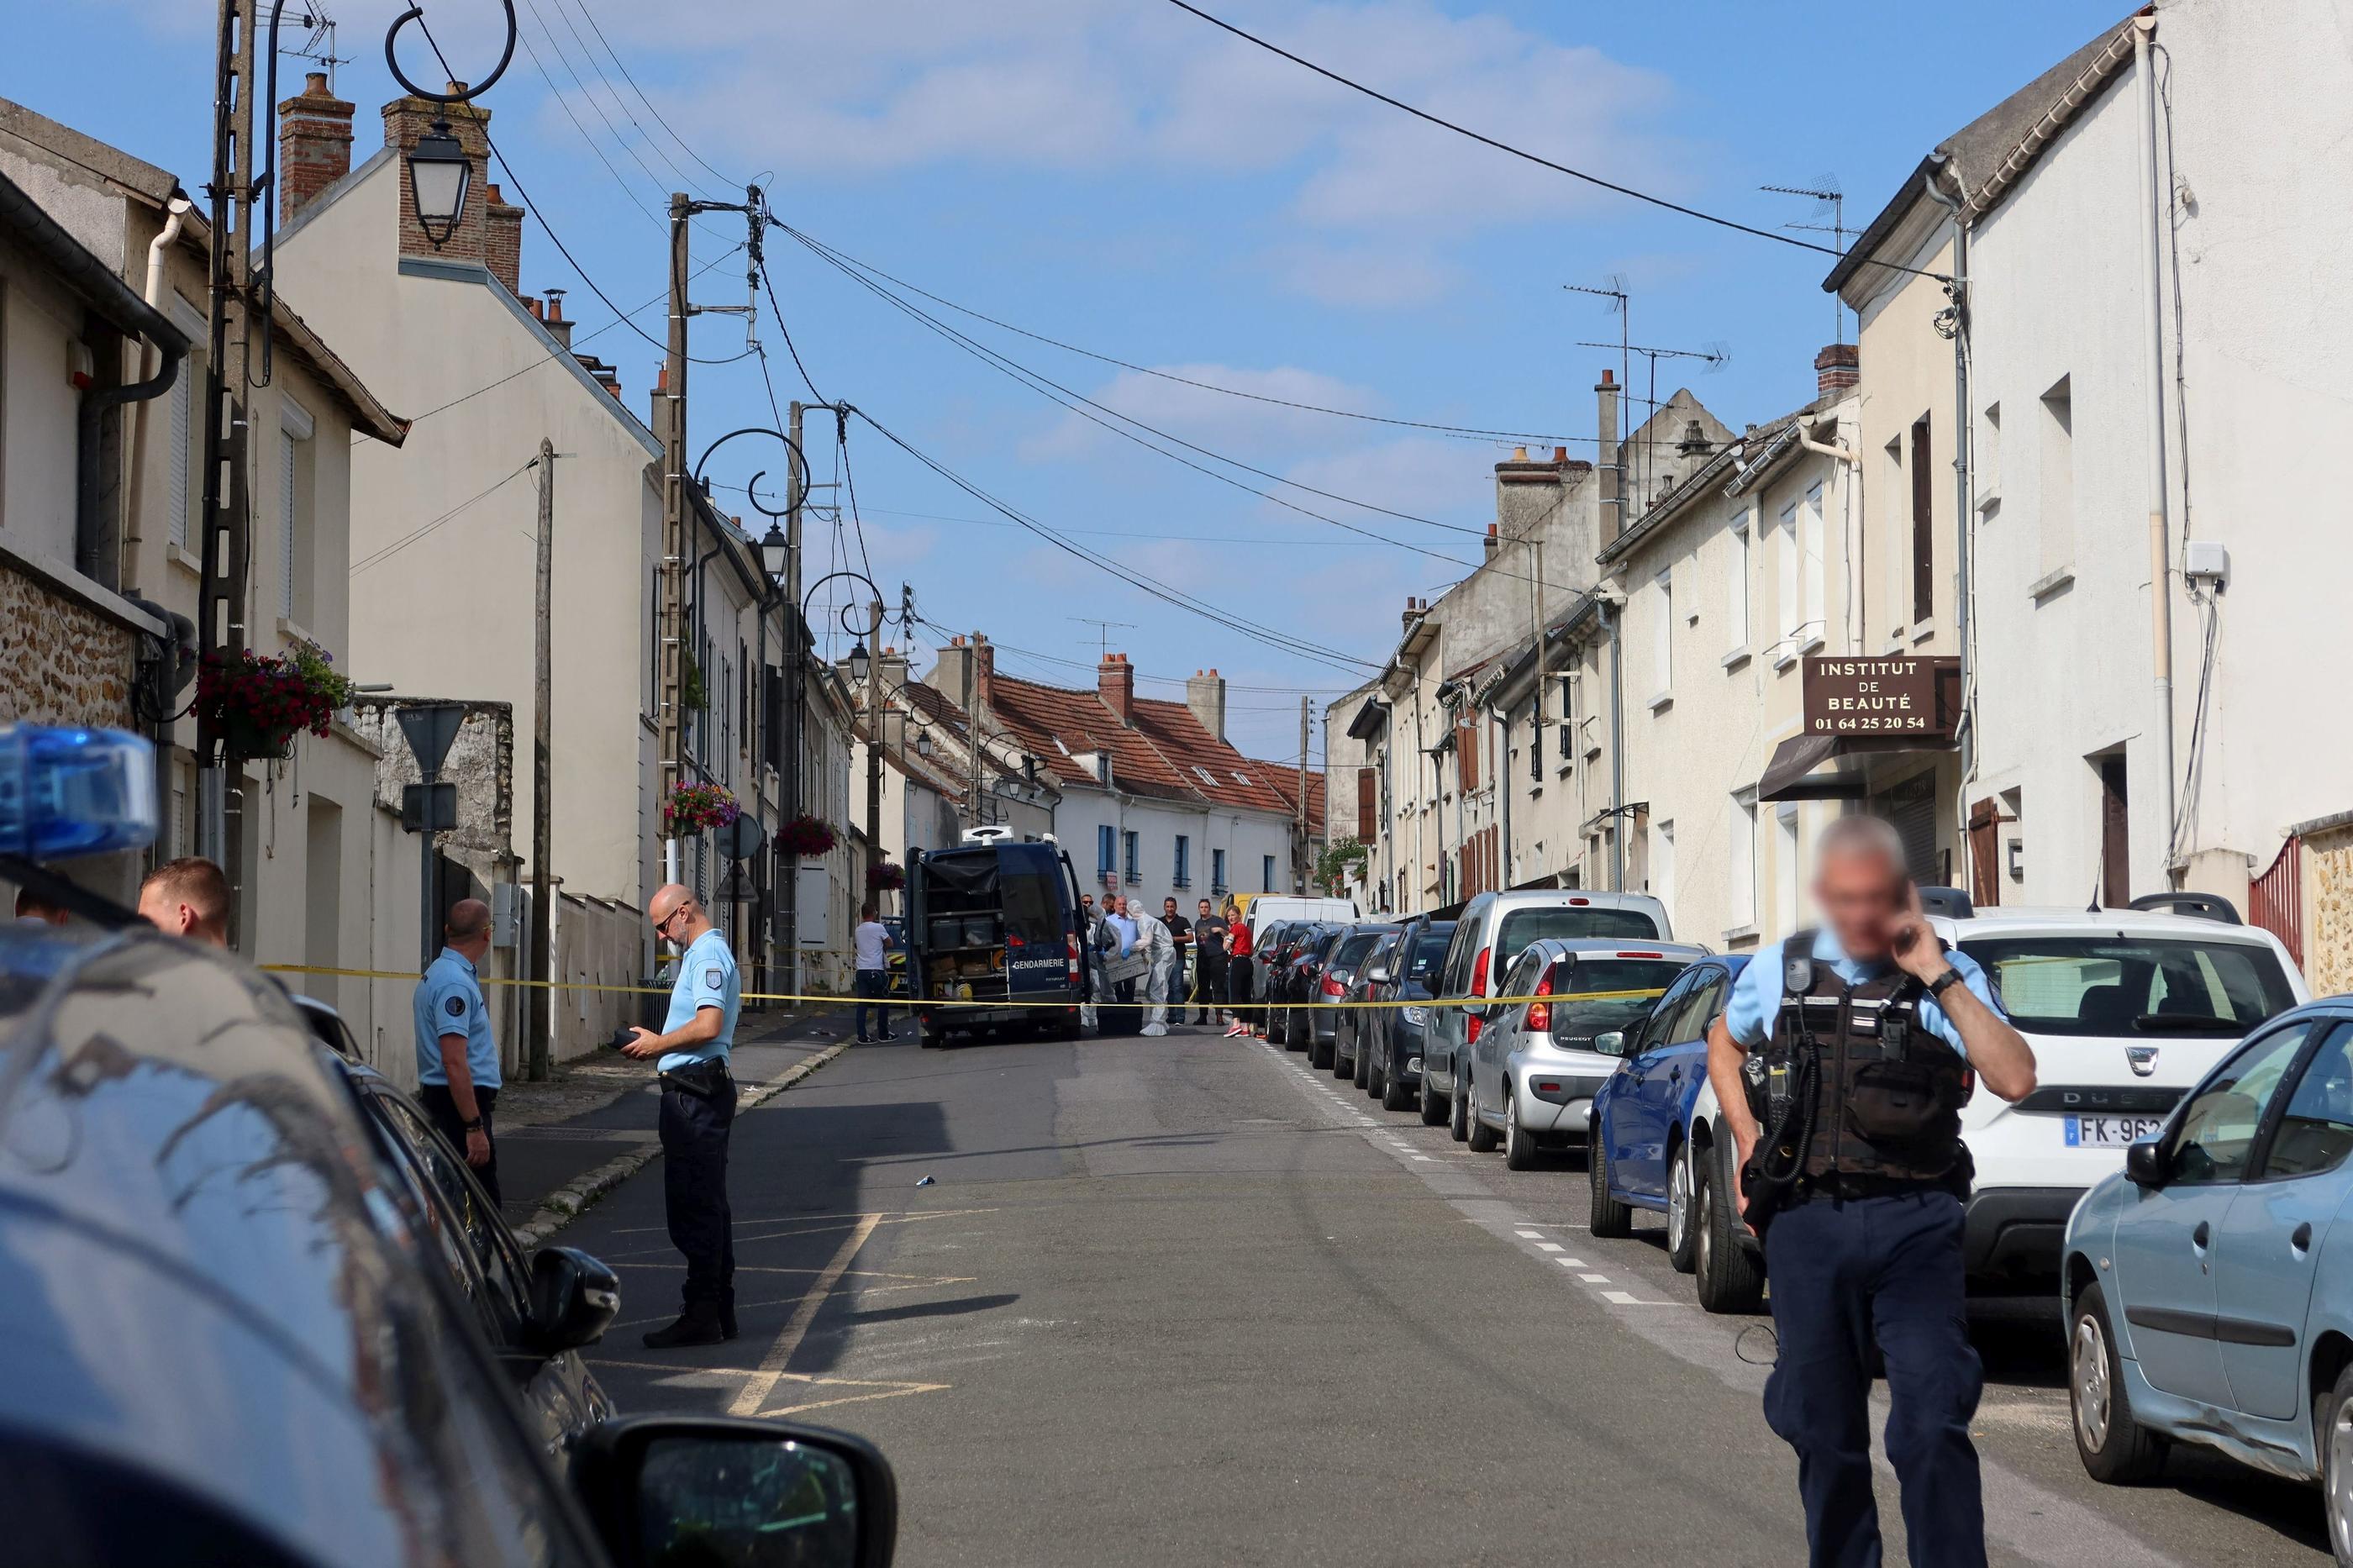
(2022, 920)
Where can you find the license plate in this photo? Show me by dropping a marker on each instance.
(2110, 1131)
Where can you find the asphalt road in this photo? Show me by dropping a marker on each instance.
(1181, 1301)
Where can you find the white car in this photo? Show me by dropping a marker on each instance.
(2126, 1009)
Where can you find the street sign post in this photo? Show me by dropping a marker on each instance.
(430, 807)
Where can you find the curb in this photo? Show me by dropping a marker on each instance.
(567, 1203)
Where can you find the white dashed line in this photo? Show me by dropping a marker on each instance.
(1422, 1156)
(1594, 1278)
(1628, 1298)
(1550, 1247)
(1571, 1262)
(1529, 1234)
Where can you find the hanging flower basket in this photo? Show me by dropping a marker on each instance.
(697, 808)
(259, 703)
(887, 877)
(806, 835)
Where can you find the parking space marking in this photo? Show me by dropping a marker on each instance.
(756, 1389)
(1550, 1247)
(1628, 1298)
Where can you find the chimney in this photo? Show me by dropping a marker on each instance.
(558, 327)
(1695, 444)
(894, 661)
(1491, 538)
(1115, 683)
(1528, 492)
(314, 144)
(984, 666)
(1206, 696)
(408, 120)
(1611, 457)
(1837, 368)
(948, 676)
(1414, 609)
(504, 243)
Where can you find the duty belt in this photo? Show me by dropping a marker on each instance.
(704, 1080)
(1847, 1186)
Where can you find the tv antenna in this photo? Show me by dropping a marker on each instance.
(1715, 356)
(1824, 192)
(1622, 305)
(319, 43)
(1102, 633)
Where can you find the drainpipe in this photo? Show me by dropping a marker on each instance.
(157, 249)
(2160, 576)
(1613, 611)
(1962, 507)
(1503, 770)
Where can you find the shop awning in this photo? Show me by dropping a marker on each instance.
(1790, 773)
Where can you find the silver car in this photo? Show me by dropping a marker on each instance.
(1534, 1067)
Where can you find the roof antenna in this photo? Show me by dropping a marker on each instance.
(1824, 191)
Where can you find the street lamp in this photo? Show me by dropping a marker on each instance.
(439, 174)
(923, 743)
(858, 663)
(776, 553)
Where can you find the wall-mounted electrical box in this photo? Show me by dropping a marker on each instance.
(2207, 561)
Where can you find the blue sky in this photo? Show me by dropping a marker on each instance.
(1118, 174)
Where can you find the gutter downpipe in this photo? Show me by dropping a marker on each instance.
(157, 249)
(1503, 770)
(1615, 613)
(1966, 738)
(2160, 576)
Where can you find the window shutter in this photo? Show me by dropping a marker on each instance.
(286, 525)
(182, 410)
(1364, 787)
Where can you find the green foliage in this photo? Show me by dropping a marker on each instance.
(1341, 862)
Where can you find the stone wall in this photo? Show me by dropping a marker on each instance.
(481, 763)
(2328, 909)
(61, 662)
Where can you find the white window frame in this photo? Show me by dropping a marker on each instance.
(1736, 589)
(1662, 865)
(1787, 846)
(1740, 839)
(1809, 630)
(1788, 607)
(295, 426)
(1663, 640)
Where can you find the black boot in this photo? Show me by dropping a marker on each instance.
(698, 1325)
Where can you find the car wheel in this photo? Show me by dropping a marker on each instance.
(1729, 1276)
(1360, 1062)
(2110, 1440)
(2333, 1427)
(1609, 1217)
(1680, 1230)
(1458, 1108)
(1477, 1133)
(1396, 1093)
(1433, 1110)
(1519, 1144)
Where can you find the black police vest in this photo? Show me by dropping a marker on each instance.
(1886, 1093)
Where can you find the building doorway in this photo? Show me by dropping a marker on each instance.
(2115, 830)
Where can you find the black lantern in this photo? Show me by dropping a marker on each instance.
(775, 551)
(858, 663)
(439, 173)
(922, 743)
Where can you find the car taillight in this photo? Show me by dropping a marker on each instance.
(1073, 941)
(1333, 987)
(1478, 988)
(1540, 1012)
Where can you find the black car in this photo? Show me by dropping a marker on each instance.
(1392, 1036)
(1352, 1024)
(235, 1327)
(1342, 957)
(1298, 950)
(1265, 960)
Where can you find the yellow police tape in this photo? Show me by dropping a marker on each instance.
(832, 1000)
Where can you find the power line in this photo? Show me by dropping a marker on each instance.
(379, 557)
(1466, 431)
(589, 55)
(1536, 158)
(1158, 590)
(730, 183)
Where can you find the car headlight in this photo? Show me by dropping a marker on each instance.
(1415, 1015)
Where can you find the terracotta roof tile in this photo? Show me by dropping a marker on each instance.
(1166, 754)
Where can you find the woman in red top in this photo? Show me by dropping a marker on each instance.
(1238, 968)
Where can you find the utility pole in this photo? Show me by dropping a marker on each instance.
(1306, 863)
(788, 893)
(227, 535)
(669, 633)
(542, 962)
(873, 749)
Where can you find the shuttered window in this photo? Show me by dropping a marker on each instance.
(1366, 786)
(286, 523)
(179, 464)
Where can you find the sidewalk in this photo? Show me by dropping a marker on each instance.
(600, 1108)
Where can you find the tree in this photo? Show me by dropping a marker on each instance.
(1341, 862)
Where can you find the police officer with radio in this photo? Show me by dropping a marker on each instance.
(457, 1057)
(1841, 1067)
(698, 1114)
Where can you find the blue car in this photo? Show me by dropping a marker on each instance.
(2210, 1284)
(1640, 1160)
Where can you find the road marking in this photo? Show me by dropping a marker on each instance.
(1550, 1247)
(1594, 1278)
(1628, 1298)
(1424, 1157)
(1571, 1262)
(1529, 1234)
(756, 1389)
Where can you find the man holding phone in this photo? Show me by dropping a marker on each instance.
(1840, 1065)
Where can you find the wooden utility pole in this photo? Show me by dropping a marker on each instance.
(1306, 865)
(541, 965)
(873, 748)
(227, 533)
(788, 891)
(671, 634)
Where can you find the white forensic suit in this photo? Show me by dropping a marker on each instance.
(1159, 948)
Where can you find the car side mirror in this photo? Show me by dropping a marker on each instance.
(574, 1298)
(1378, 974)
(666, 1490)
(1611, 1042)
(2145, 1164)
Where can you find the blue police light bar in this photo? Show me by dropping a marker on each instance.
(70, 791)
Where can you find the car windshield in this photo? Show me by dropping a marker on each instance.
(2133, 985)
(1607, 993)
(1428, 952)
(1570, 922)
(1352, 951)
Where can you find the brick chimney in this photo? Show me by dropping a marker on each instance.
(1115, 683)
(1206, 696)
(314, 144)
(408, 120)
(559, 326)
(1528, 491)
(1414, 610)
(1612, 457)
(506, 242)
(1837, 368)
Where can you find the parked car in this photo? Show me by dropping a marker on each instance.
(284, 1371)
(1342, 957)
(1642, 1157)
(1296, 985)
(2210, 1284)
(1281, 971)
(1395, 1034)
(995, 922)
(1536, 1065)
(1259, 908)
(2125, 1010)
(1266, 945)
(1352, 1024)
(1493, 930)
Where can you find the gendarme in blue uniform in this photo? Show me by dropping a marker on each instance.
(449, 1001)
(706, 978)
(1756, 999)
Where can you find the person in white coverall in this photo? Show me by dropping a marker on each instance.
(1154, 940)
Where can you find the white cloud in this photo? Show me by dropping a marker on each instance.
(1243, 426)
